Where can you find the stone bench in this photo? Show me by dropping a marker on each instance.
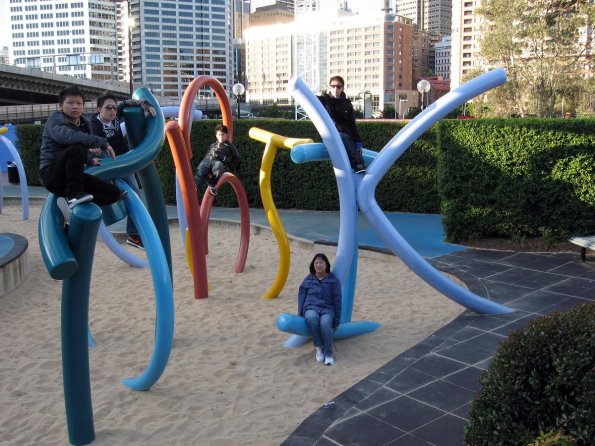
(585, 243)
(14, 261)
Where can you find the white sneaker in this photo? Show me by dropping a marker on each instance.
(319, 354)
(328, 360)
(62, 204)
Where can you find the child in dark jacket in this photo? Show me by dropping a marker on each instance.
(67, 145)
(221, 156)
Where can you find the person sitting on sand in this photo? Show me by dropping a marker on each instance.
(319, 302)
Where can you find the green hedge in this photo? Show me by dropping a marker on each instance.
(517, 178)
(409, 186)
(511, 178)
(542, 378)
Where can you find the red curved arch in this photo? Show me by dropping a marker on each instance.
(205, 212)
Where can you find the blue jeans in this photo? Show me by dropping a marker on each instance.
(321, 328)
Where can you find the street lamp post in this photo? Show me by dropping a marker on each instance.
(238, 89)
(366, 93)
(423, 86)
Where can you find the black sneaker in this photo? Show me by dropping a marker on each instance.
(134, 240)
(213, 190)
(76, 199)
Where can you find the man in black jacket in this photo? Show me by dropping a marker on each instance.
(341, 112)
(107, 124)
(221, 156)
(66, 146)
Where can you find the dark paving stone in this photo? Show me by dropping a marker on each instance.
(467, 378)
(490, 341)
(409, 440)
(504, 292)
(462, 411)
(483, 365)
(445, 431)
(528, 278)
(295, 440)
(538, 262)
(576, 269)
(307, 431)
(382, 395)
(575, 287)
(506, 329)
(405, 413)
(481, 254)
(363, 430)
(443, 395)
(467, 352)
(325, 442)
(437, 366)
(487, 323)
(409, 380)
(565, 305)
(359, 391)
(467, 333)
(388, 371)
(537, 301)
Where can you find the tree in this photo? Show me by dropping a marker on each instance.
(542, 45)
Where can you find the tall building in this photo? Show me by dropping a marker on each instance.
(466, 31)
(373, 53)
(254, 4)
(175, 41)
(430, 15)
(442, 58)
(74, 38)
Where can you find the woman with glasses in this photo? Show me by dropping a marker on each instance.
(107, 124)
(341, 112)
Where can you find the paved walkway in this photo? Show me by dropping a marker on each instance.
(422, 397)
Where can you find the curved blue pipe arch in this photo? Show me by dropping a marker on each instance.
(68, 256)
(357, 192)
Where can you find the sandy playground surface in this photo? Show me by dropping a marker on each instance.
(229, 381)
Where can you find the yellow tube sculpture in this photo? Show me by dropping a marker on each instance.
(272, 142)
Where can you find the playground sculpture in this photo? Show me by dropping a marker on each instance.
(68, 256)
(6, 143)
(356, 192)
(194, 220)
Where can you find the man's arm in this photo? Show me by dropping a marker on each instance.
(235, 157)
(146, 106)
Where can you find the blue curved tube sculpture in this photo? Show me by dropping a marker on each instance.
(68, 256)
(357, 191)
(22, 176)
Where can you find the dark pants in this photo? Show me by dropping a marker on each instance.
(65, 177)
(356, 158)
(207, 166)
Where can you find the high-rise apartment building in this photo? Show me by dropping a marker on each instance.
(466, 31)
(175, 41)
(442, 58)
(254, 4)
(373, 53)
(77, 38)
(430, 15)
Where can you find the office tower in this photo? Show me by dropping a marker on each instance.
(430, 15)
(466, 31)
(254, 4)
(73, 38)
(442, 58)
(175, 41)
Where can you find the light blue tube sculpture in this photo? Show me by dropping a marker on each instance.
(365, 185)
(22, 176)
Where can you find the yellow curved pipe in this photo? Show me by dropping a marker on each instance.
(272, 142)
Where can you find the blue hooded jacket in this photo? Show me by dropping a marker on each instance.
(323, 296)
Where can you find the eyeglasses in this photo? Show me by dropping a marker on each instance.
(111, 107)
(337, 86)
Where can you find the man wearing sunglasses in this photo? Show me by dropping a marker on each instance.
(341, 112)
(107, 124)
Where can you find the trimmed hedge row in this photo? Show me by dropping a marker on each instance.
(489, 178)
(517, 178)
(409, 186)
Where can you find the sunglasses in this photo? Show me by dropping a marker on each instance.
(111, 107)
(336, 86)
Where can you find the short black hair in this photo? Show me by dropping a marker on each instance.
(338, 79)
(222, 128)
(104, 97)
(324, 258)
(73, 90)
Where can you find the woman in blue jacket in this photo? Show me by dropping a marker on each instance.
(319, 302)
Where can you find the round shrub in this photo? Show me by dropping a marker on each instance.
(542, 378)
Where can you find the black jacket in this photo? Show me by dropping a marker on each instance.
(341, 112)
(225, 152)
(113, 133)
